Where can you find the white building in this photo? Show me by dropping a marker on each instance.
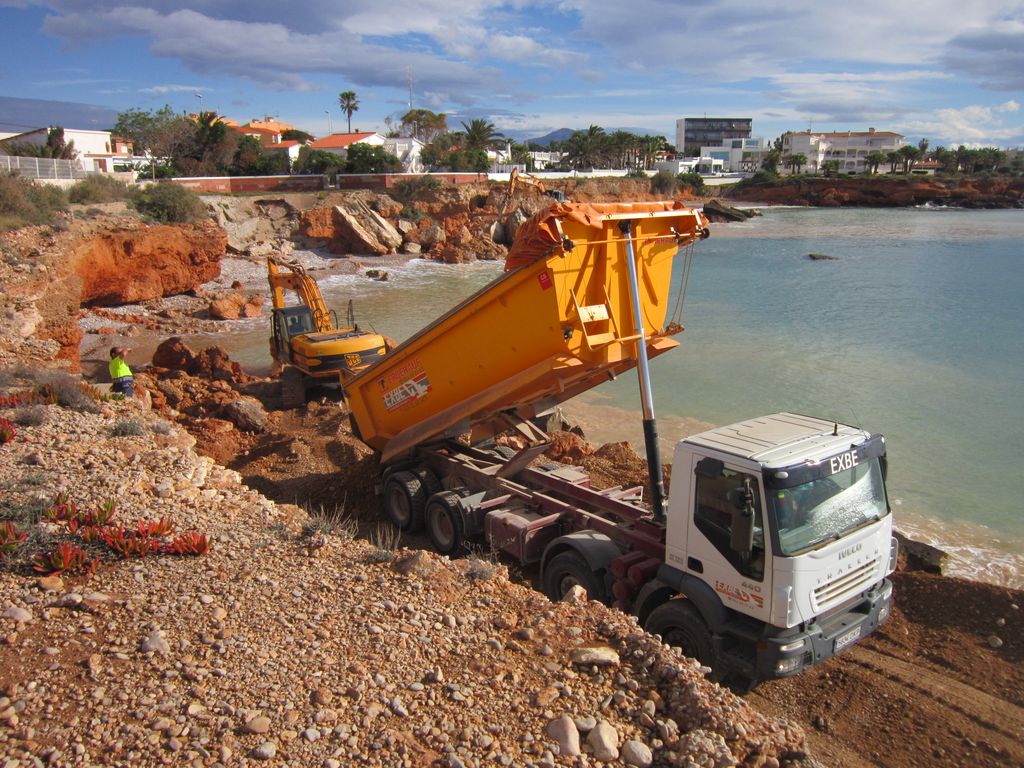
(96, 150)
(736, 155)
(408, 150)
(850, 148)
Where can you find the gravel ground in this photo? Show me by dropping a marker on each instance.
(291, 643)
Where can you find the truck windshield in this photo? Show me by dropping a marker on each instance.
(828, 507)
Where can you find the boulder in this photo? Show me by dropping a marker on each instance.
(233, 305)
(360, 229)
(413, 249)
(247, 414)
(174, 354)
(431, 235)
(716, 210)
(214, 363)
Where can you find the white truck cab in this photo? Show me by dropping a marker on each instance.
(780, 534)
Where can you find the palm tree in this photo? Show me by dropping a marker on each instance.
(481, 134)
(349, 103)
(873, 160)
(795, 161)
(893, 159)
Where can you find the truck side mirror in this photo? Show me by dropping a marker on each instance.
(708, 467)
(742, 539)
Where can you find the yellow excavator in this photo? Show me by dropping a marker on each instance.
(306, 342)
(516, 180)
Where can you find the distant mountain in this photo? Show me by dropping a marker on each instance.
(20, 115)
(564, 133)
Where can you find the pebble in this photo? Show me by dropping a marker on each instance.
(14, 613)
(156, 643)
(637, 753)
(994, 641)
(260, 724)
(563, 730)
(595, 656)
(604, 741)
(51, 583)
(264, 751)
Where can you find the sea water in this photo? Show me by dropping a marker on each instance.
(914, 329)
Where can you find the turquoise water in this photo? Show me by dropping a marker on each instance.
(915, 330)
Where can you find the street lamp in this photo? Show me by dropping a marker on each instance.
(330, 127)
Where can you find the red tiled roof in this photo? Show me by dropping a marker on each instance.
(340, 140)
(279, 145)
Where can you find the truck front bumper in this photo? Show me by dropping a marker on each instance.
(825, 637)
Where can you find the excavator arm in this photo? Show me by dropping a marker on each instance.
(297, 279)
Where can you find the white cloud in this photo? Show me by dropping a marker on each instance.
(981, 125)
(270, 54)
(175, 89)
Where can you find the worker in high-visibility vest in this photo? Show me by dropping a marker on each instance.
(120, 373)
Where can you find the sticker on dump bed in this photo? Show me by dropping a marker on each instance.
(404, 385)
(407, 392)
(545, 280)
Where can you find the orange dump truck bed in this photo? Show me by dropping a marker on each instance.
(557, 323)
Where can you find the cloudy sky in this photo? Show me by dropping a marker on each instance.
(946, 70)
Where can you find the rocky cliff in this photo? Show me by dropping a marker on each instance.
(147, 263)
(996, 192)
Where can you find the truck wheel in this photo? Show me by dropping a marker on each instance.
(567, 570)
(431, 484)
(404, 501)
(444, 523)
(680, 625)
(293, 388)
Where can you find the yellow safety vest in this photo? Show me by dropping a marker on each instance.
(119, 368)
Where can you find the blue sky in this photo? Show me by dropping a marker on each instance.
(946, 70)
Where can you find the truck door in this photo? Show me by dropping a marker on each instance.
(722, 494)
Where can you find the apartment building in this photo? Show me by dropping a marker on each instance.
(695, 132)
(850, 148)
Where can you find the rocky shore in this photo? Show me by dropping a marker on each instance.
(882, 192)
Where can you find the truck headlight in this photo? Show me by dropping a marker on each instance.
(791, 646)
(883, 613)
(783, 666)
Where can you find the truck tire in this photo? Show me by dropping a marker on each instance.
(680, 625)
(404, 501)
(444, 523)
(568, 569)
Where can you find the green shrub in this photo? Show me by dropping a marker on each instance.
(763, 176)
(30, 415)
(411, 189)
(169, 203)
(693, 180)
(663, 183)
(67, 391)
(98, 188)
(415, 215)
(636, 173)
(23, 202)
(127, 428)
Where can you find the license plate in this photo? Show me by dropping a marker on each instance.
(848, 637)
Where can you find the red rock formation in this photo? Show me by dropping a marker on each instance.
(147, 263)
(173, 354)
(231, 306)
(884, 191)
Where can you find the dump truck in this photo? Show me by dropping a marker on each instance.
(772, 553)
(307, 343)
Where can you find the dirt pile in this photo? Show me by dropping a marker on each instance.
(885, 192)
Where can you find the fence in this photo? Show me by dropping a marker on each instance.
(41, 167)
